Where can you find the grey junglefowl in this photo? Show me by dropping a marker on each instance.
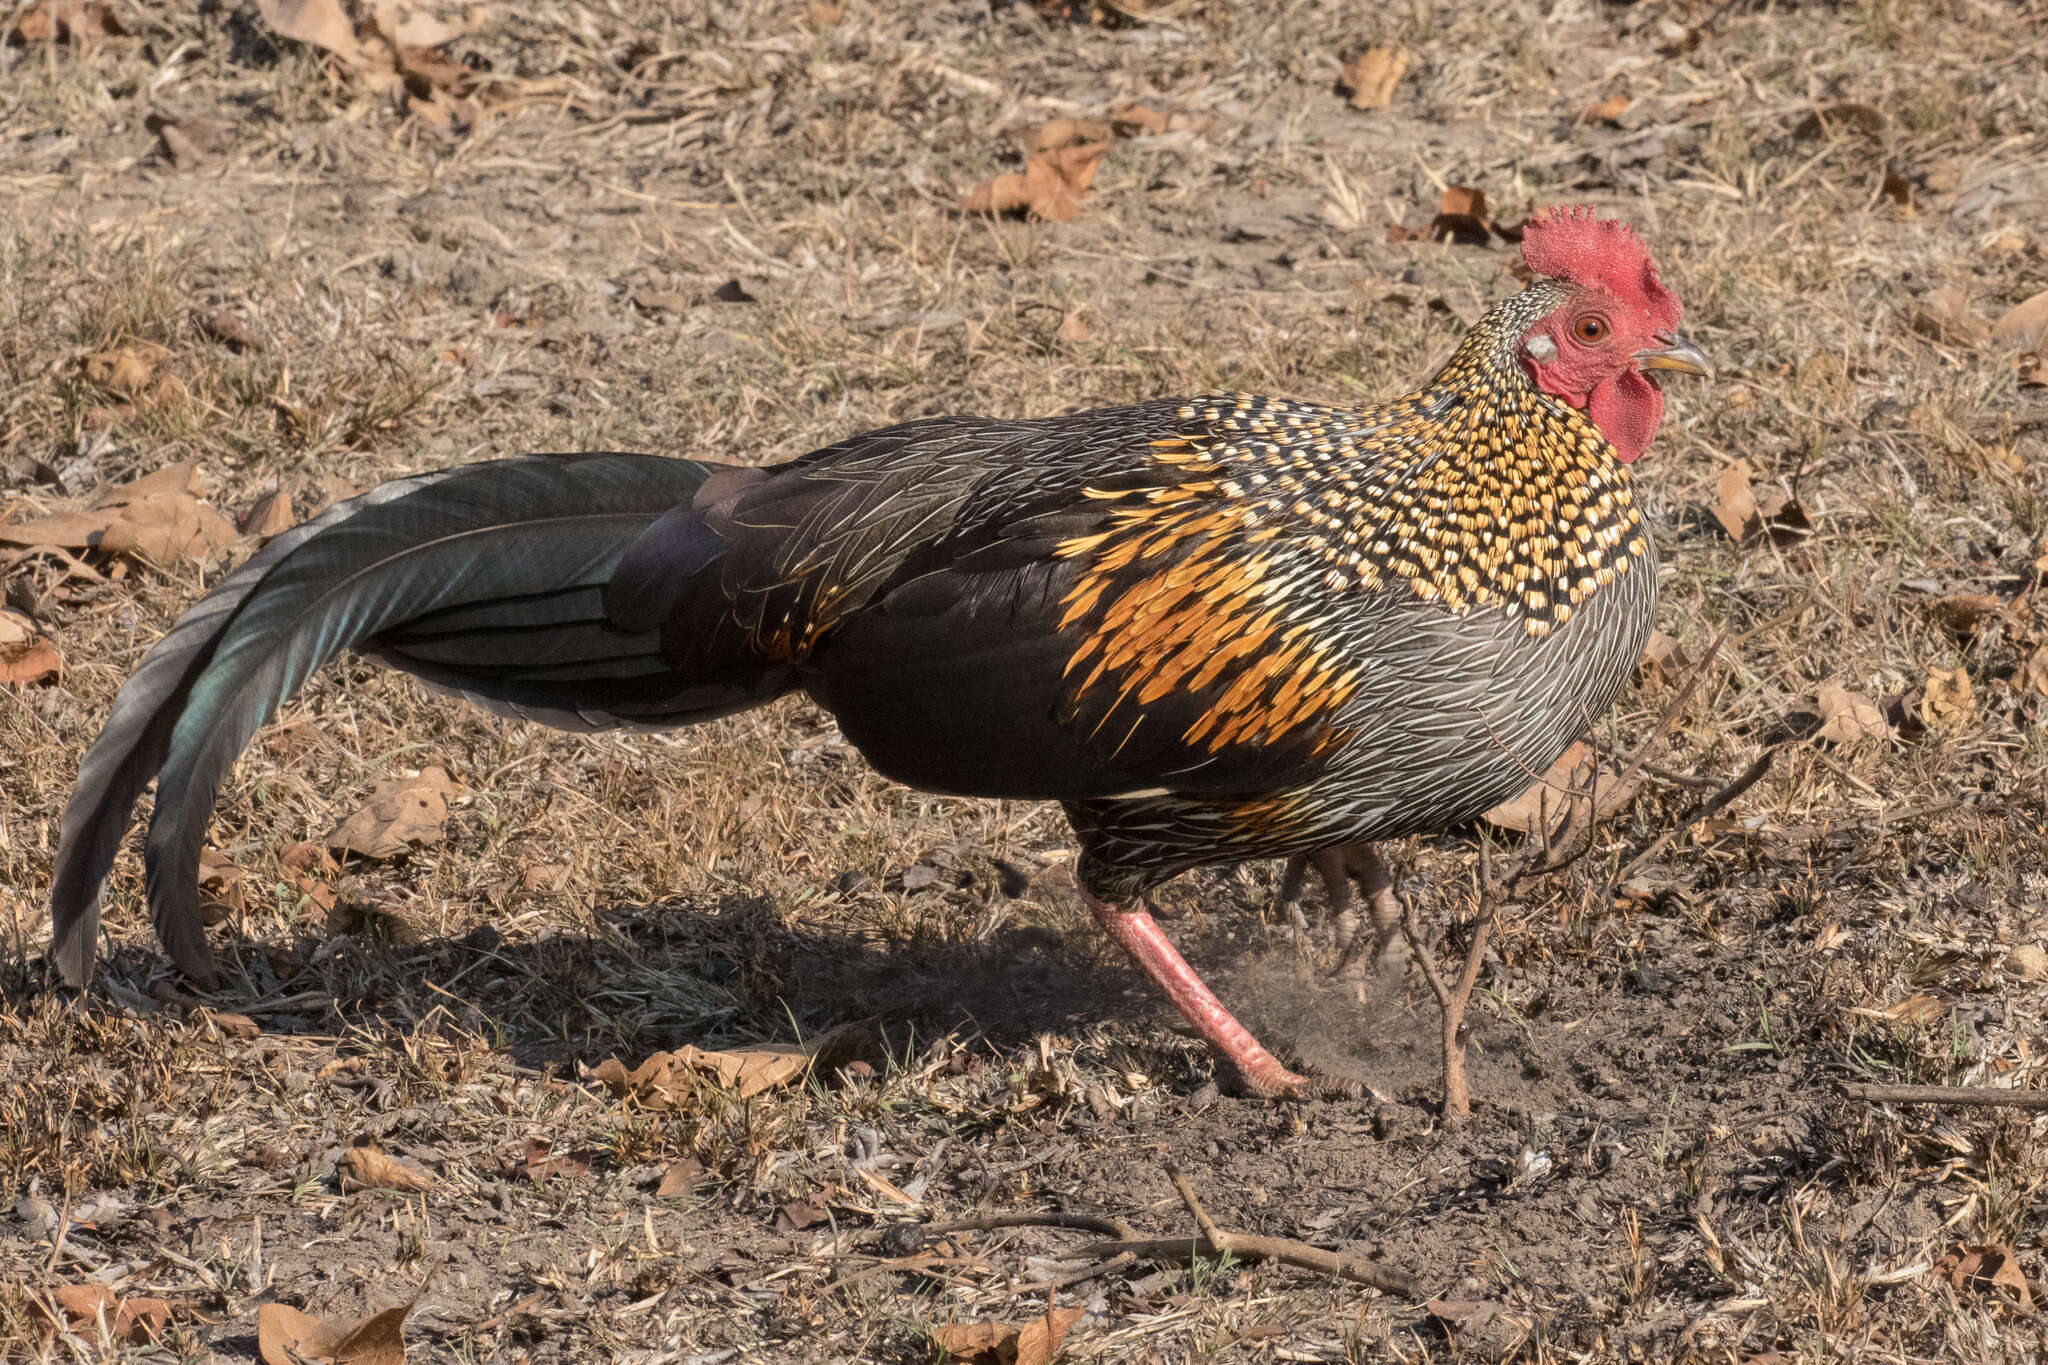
(1216, 629)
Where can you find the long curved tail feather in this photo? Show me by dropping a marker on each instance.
(486, 580)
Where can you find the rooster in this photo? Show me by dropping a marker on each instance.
(1216, 629)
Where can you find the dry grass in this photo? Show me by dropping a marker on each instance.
(1658, 1168)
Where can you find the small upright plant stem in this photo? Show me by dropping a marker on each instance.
(1452, 999)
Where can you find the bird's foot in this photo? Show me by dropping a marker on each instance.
(1268, 1080)
(1338, 868)
(1242, 1056)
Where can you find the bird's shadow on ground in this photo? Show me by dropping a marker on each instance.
(720, 972)
(656, 976)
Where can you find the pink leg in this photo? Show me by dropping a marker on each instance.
(1138, 934)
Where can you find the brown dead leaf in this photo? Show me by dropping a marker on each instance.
(15, 629)
(392, 50)
(285, 1335)
(1073, 329)
(189, 142)
(270, 515)
(1462, 1314)
(220, 886)
(1745, 512)
(1049, 187)
(1034, 1342)
(536, 1160)
(240, 1027)
(126, 370)
(1608, 110)
(2025, 325)
(1065, 132)
(1946, 315)
(401, 812)
(319, 22)
(1563, 793)
(1371, 76)
(307, 853)
(130, 1322)
(65, 21)
(370, 1165)
(1734, 505)
(30, 664)
(1664, 661)
(1898, 189)
(680, 1178)
(1843, 116)
(157, 518)
(1963, 614)
(799, 1214)
(1914, 1009)
(1848, 716)
(1947, 698)
(542, 878)
(1783, 515)
(2033, 674)
(1461, 216)
(420, 24)
(1986, 1269)
(230, 327)
(1148, 120)
(666, 1079)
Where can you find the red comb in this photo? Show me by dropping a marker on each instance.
(1569, 243)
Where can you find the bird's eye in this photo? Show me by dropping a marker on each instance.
(1591, 329)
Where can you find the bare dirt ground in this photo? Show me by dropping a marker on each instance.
(1661, 1164)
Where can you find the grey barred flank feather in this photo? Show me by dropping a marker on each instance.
(1216, 629)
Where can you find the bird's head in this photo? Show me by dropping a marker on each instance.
(1596, 350)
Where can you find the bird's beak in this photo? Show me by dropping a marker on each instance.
(1678, 354)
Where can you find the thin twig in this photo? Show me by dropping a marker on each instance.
(1978, 1096)
(1710, 807)
(1452, 1001)
(1694, 781)
(1411, 929)
(1285, 1250)
(1195, 1209)
(1096, 1271)
(923, 1261)
(1080, 1222)
(1210, 1240)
